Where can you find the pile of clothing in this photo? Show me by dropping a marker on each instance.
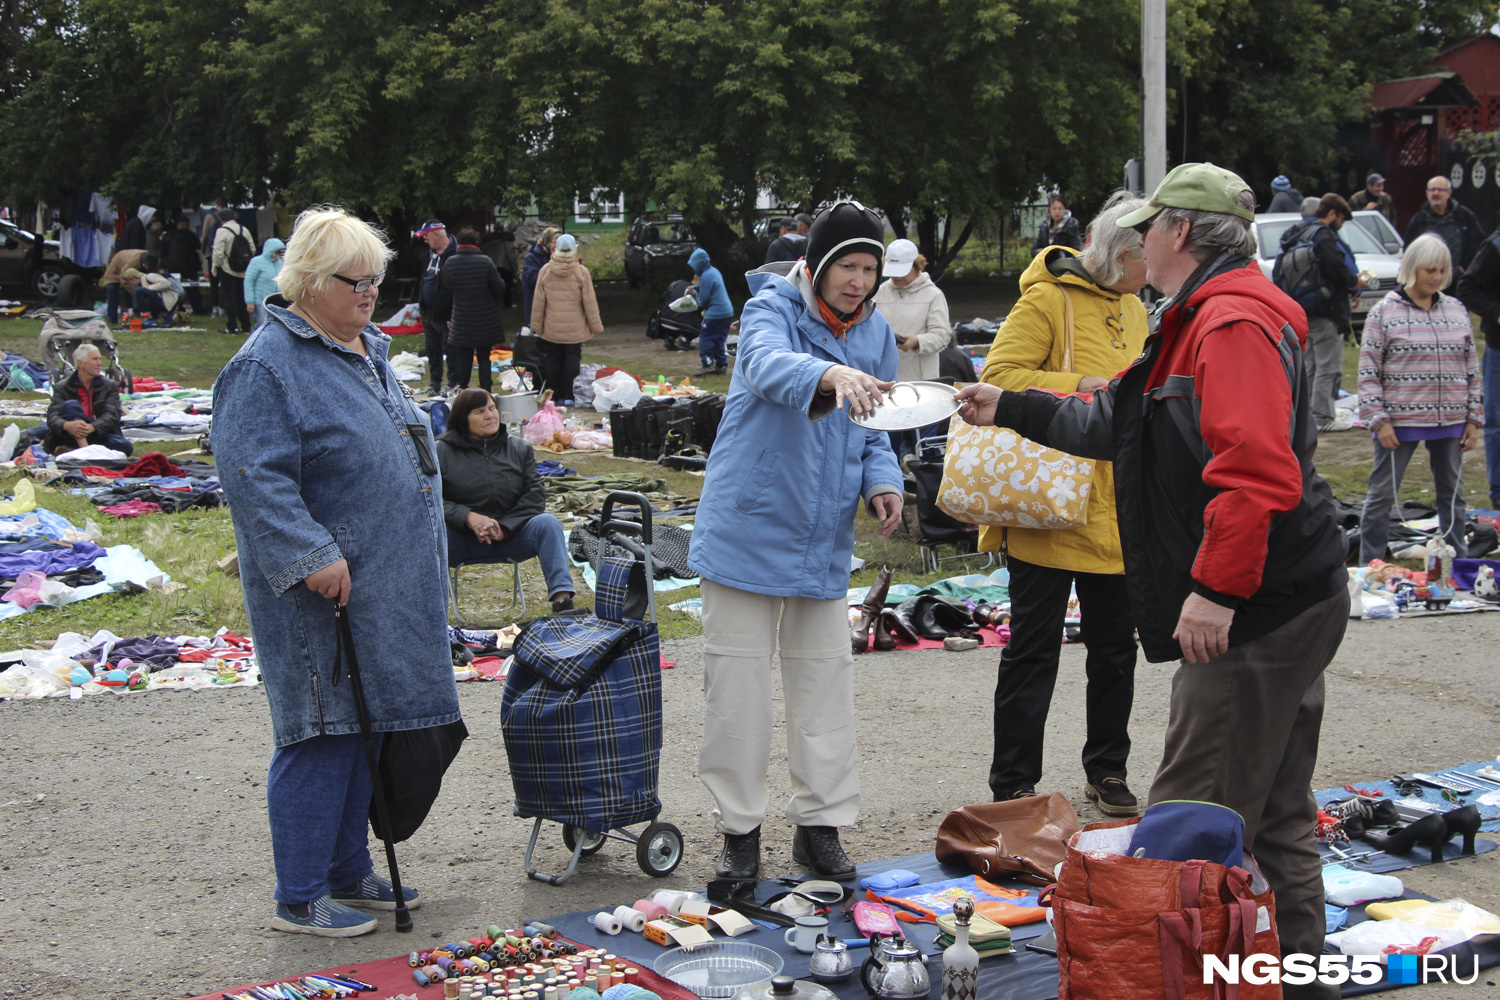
(46, 561)
(77, 665)
(164, 411)
(150, 484)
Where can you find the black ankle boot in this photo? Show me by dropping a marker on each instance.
(740, 859)
(818, 848)
(1464, 820)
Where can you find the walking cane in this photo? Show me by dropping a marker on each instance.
(346, 641)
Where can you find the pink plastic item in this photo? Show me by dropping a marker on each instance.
(28, 588)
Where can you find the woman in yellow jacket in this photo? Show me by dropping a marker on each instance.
(1109, 330)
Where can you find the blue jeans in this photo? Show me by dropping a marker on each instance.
(711, 337)
(540, 538)
(1492, 421)
(72, 409)
(1390, 467)
(112, 303)
(318, 800)
(149, 303)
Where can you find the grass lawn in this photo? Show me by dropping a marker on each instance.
(188, 545)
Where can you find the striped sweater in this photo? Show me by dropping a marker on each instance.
(1419, 367)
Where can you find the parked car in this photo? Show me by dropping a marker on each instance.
(1377, 255)
(657, 249)
(27, 261)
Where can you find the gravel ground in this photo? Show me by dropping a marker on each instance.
(136, 862)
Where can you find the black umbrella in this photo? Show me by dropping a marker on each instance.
(346, 642)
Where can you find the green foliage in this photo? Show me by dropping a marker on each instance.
(936, 113)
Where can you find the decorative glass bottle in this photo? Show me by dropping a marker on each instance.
(960, 960)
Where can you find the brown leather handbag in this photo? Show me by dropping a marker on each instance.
(1021, 837)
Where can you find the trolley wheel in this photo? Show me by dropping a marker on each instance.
(659, 849)
(592, 842)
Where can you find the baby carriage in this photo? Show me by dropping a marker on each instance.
(65, 330)
(582, 720)
(675, 329)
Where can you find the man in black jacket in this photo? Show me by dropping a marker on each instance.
(1479, 289)
(85, 408)
(434, 334)
(1454, 224)
(1327, 321)
(469, 294)
(180, 255)
(789, 245)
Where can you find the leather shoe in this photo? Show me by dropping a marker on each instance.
(818, 848)
(740, 859)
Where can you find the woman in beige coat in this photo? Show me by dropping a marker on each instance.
(917, 311)
(564, 314)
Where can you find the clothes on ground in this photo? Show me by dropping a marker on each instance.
(96, 664)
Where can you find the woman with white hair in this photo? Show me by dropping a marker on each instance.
(1078, 324)
(1419, 381)
(333, 486)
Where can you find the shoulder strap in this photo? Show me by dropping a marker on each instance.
(1068, 328)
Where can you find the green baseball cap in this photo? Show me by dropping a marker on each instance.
(1198, 187)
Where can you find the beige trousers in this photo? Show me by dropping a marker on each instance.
(741, 630)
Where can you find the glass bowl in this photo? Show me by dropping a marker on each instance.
(719, 970)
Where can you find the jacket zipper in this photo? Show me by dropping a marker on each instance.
(318, 700)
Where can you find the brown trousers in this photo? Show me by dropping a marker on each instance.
(1243, 732)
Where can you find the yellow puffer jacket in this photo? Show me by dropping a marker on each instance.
(1109, 330)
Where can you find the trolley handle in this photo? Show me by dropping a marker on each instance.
(626, 498)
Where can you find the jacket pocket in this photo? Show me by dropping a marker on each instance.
(423, 444)
(757, 482)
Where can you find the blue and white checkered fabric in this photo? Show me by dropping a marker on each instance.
(581, 716)
(613, 588)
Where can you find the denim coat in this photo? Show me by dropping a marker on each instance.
(786, 472)
(318, 462)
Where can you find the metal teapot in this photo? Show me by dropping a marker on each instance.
(830, 961)
(895, 970)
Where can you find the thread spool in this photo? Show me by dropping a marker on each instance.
(446, 964)
(633, 920)
(421, 977)
(434, 972)
(414, 960)
(649, 909)
(450, 989)
(632, 975)
(672, 899)
(608, 923)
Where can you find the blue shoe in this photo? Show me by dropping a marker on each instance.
(375, 893)
(324, 918)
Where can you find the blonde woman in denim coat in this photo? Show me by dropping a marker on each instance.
(334, 490)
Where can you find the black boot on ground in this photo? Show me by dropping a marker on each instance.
(740, 859)
(818, 848)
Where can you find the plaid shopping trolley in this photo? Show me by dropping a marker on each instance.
(583, 729)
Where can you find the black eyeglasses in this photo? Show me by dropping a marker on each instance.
(362, 284)
(1144, 227)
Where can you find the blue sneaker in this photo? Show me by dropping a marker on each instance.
(322, 917)
(374, 893)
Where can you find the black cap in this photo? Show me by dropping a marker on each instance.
(846, 227)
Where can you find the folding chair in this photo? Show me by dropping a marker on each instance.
(517, 597)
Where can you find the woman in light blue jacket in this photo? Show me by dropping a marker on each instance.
(775, 533)
(260, 279)
(333, 486)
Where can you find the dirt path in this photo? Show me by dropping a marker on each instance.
(136, 861)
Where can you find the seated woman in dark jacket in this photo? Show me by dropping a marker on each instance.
(493, 497)
(85, 408)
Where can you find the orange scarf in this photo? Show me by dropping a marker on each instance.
(840, 327)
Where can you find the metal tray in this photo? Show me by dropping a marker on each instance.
(909, 405)
(718, 970)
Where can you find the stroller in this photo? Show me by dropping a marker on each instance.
(582, 718)
(65, 331)
(676, 330)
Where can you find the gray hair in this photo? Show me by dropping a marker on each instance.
(1213, 233)
(1108, 242)
(1427, 250)
(1310, 205)
(84, 350)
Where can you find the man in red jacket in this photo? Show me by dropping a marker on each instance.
(1233, 551)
